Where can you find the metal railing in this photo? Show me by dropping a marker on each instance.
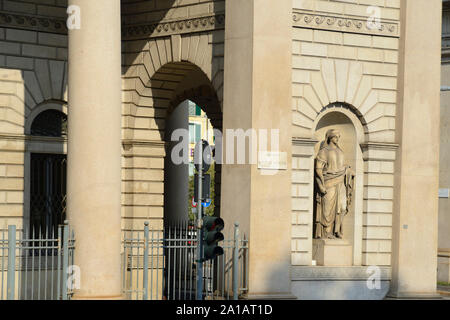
(32, 264)
(161, 265)
(157, 265)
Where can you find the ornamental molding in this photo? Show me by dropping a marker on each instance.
(352, 24)
(32, 22)
(298, 141)
(30, 138)
(129, 143)
(129, 31)
(167, 28)
(380, 146)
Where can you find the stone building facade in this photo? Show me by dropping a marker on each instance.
(370, 68)
(444, 202)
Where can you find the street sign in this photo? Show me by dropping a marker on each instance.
(194, 203)
(207, 203)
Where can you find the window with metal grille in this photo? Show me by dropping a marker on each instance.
(48, 193)
(48, 178)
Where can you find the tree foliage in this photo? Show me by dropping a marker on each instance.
(207, 211)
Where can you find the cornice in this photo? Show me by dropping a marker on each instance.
(167, 28)
(131, 31)
(32, 22)
(343, 23)
(148, 143)
(305, 19)
(297, 141)
(23, 137)
(380, 146)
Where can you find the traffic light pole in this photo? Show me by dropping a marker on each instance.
(200, 230)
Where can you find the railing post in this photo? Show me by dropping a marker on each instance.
(65, 259)
(58, 279)
(11, 282)
(145, 276)
(236, 262)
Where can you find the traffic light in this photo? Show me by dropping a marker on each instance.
(206, 187)
(202, 156)
(211, 236)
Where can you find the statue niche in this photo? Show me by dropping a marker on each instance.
(334, 183)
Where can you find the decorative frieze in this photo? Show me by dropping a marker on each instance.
(344, 24)
(167, 28)
(205, 23)
(135, 31)
(33, 22)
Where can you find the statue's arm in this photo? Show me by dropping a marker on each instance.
(319, 176)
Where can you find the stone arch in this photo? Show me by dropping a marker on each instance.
(345, 82)
(155, 69)
(205, 97)
(44, 106)
(352, 113)
(158, 74)
(46, 83)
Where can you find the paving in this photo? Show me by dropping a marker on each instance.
(444, 291)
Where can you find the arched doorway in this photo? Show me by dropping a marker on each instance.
(156, 188)
(149, 126)
(46, 159)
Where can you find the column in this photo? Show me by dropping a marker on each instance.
(415, 218)
(257, 95)
(94, 147)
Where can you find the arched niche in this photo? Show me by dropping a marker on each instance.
(352, 136)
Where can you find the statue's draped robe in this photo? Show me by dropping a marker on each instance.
(333, 206)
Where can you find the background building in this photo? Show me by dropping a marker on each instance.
(200, 128)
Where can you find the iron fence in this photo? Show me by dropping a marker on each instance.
(34, 266)
(157, 265)
(161, 265)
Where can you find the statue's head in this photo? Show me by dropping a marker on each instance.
(332, 136)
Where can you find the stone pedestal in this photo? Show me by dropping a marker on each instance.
(338, 283)
(332, 252)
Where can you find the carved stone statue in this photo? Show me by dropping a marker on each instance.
(333, 188)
